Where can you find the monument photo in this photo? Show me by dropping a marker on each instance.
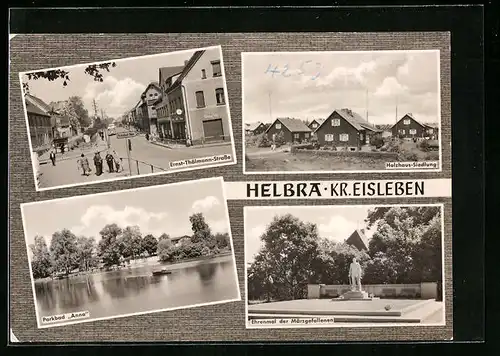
(357, 265)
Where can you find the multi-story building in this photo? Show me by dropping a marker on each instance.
(40, 123)
(197, 104)
(149, 98)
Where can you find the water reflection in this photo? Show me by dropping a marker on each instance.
(136, 289)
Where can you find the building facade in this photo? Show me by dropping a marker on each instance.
(170, 106)
(205, 99)
(149, 98)
(345, 129)
(40, 124)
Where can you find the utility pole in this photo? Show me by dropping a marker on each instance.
(367, 106)
(270, 107)
(397, 109)
(95, 109)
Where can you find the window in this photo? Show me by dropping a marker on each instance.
(344, 137)
(328, 137)
(430, 131)
(402, 131)
(296, 135)
(219, 96)
(306, 135)
(314, 126)
(406, 121)
(278, 126)
(200, 99)
(413, 131)
(203, 74)
(216, 68)
(153, 108)
(150, 95)
(335, 122)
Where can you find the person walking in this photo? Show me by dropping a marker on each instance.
(52, 157)
(98, 164)
(110, 161)
(118, 161)
(83, 163)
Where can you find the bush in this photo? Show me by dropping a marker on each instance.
(424, 146)
(263, 141)
(280, 139)
(408, 156)
(376, 141)
(432, 156)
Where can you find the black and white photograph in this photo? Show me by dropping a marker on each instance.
(344, 266)
(350, 111)
(130, 252)
(129, 117)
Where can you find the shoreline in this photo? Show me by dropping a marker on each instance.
(186, 263)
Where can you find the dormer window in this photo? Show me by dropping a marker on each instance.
(406, 121)
(278, 126)
(335, 122)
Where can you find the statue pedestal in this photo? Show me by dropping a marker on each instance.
(355, 295)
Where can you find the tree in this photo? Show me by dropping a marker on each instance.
(163, 237)
(201, 230)
(79, 110)
(64, 252)
(149, 244)
(290, 249)
(165, 250)
(109, 246)
(86, 250)
(41, 264)
(131, 241)
(94, 70)
(223, 240)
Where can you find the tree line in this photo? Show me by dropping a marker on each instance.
(68, 252)
(405, 248)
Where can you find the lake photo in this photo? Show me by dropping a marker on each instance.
(124, 253)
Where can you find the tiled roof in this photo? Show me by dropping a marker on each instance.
(253, 125)
(319, 121)
(190, 63)
(42, 105)
(33, 109)
(167, 72)
(356, 120)
(410, 115)
(294, 125)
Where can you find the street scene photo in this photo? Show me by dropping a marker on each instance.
(327, 112)
(357, 265)
(124, 253)
(127, 117)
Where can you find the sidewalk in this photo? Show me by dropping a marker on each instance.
(174, 146)
(99, 145)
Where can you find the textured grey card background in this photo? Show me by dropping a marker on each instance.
(224, 322)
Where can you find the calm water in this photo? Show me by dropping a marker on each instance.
(135, 289)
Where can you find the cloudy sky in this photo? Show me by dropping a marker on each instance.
(121, 88)
(309, 85)
(156, 210)
(334, 223)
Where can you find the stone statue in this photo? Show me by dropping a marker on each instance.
(355, 273)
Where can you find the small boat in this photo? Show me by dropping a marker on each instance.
(161, 272)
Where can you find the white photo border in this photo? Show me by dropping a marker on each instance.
(238, 298)
(344, 325)
(226, 97)
(243, 137)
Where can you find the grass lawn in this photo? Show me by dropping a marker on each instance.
(300, 162)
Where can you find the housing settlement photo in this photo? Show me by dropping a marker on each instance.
(354, 265)
(341, 111)
(127, 252)
(128, 117)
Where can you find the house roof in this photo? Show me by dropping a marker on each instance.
(33, 109)
(293, 125)
(358, 239)
(168, 72)
(190, 63)
(253, 125)
(356, 120)
(38, 102)
(319, 121)
(410, 115)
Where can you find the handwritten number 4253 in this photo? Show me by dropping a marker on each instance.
(312, 67)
